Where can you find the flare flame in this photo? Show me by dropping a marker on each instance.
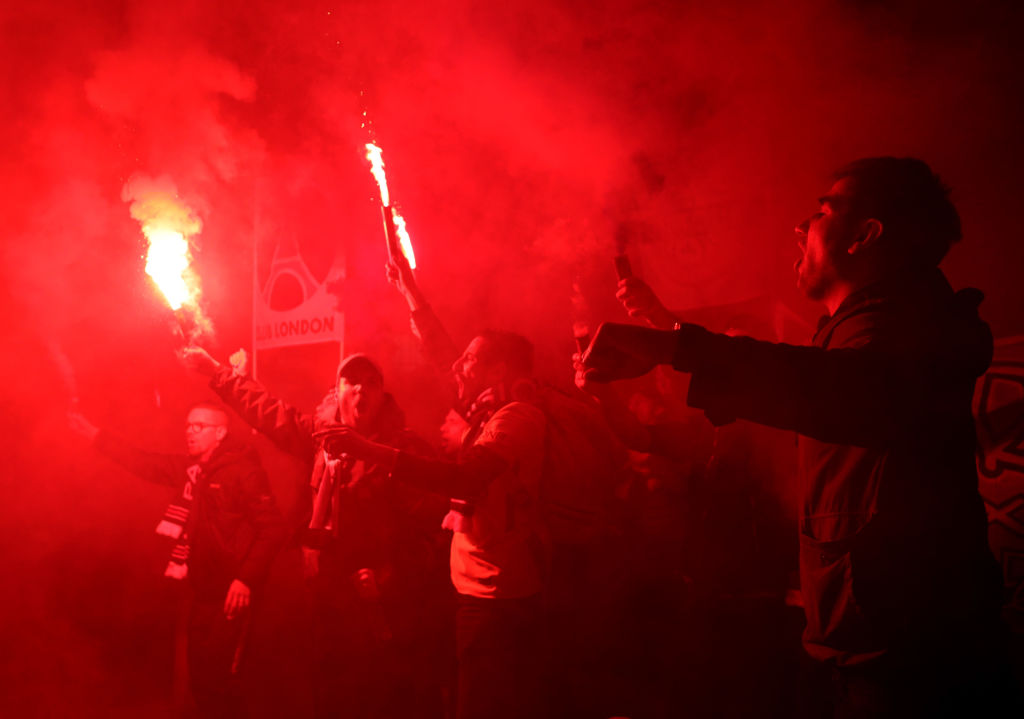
(168, 225)
(375, 155)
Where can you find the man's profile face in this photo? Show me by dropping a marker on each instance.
(204, 431)
(470, 372)
(824, 238)
(360, 393)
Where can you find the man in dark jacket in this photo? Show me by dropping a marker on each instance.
(900, 591)
(372, 548)
(228, 529)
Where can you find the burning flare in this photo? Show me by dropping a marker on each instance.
(168, 225)
(376, 157)
(167, 263)
(404, 241)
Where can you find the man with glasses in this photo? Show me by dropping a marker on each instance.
(227, 528)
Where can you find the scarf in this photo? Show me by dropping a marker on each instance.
(338, 474)
(175, 522)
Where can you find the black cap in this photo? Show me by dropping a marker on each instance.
(357, 363)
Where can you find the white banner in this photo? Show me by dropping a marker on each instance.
(314, 319)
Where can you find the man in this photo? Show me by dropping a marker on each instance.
(901, 594)
(228, 529)
(569, 521)
(496, 552)
(372, 549)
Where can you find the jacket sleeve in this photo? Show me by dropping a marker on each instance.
(436, 343)
(869, 392)
(288, 428)
(513, 432)
(156, 467)
(269, 528)
(466, 479)
(422, 505)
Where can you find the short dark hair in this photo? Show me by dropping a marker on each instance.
(910, 201)
(514, 350)
(213, 406)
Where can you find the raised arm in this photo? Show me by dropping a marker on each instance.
(156, 467)
(868, 395)
(436, 343)
(640, 302)
(286, 426)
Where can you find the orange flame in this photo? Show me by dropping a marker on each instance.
(404, 241)
(168, 225)
(376, 157)
(167, 262)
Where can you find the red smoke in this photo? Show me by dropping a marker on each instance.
(522, 139)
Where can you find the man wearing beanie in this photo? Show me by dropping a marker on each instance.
(371, 548)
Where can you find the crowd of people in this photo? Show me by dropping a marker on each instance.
(608, 555)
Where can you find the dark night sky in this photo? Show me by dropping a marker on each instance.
(518, 137)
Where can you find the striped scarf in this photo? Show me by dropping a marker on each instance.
(175, 522)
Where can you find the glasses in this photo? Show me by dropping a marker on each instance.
(199, 426)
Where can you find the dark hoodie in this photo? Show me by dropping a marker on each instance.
(235, 528)
(894, 558)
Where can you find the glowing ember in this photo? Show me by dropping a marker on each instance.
(376, 157)
(167, 263)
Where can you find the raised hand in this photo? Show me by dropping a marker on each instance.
(640, 301)
(400, 274)
(199, 360)
(239, 363)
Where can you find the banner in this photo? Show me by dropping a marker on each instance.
(292, 308)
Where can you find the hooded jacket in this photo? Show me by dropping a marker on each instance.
(235, 527)
(894, 557)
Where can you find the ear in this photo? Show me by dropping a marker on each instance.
(868, 234)
(222, 432)
(499, 371)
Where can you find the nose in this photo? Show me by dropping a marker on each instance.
(801, 229)
(457, 365)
